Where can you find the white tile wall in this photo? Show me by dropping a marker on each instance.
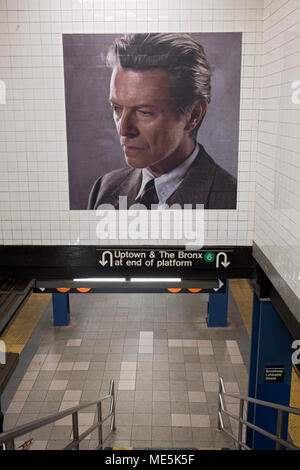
(33, 152)
(277, 210)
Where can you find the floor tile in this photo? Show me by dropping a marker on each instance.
(74, 342)
(200, 421)
(58, 385)
(71, 395)
(180, 420)
(126, 385)
(165, 369)
(197, 397)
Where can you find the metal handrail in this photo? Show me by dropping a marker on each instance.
(8, 437)
(281, 408)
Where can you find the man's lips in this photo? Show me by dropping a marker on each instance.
(131, 148)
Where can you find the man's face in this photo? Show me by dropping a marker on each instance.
(153, 133)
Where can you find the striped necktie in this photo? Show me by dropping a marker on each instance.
(149, 195)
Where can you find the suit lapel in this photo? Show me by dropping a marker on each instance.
(129, 187)
(196, 185)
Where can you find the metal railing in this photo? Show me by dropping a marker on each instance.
(8, 437)
(241, 421)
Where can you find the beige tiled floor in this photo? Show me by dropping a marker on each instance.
(164, 359)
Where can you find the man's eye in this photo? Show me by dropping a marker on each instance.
(145, 113)
(116, 109)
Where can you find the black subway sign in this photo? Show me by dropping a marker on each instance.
(160, 259)
(274, 374)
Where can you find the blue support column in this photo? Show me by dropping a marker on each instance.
(253, 366)
(61, 309)
(270, 347)
(217, 308)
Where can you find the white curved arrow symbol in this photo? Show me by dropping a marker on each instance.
(225, 263)
(103, 262)
(220, 285)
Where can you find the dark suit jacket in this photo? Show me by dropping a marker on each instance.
(204, 183)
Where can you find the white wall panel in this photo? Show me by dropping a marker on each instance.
(277, 209)
(33, 149)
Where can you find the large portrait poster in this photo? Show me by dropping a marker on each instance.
(152, 118)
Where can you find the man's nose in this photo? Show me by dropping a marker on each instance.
(126, 126)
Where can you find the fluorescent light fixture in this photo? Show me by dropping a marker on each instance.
(101, 279)
(155, 279)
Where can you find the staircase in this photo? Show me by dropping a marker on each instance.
(7, 439)
(242, 421)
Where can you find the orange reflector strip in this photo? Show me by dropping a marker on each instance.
(63, 289)
(195, 290)
(174, 290)
(83, 289)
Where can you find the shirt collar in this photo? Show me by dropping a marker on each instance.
(167, 183)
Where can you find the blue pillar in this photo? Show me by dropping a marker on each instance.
(270, 348)
(217, 308)
(61, 309)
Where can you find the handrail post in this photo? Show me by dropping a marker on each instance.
(279, 428)
(219, 427)
(112, 406)
(100, 434)
(75, 428)
(240, 433)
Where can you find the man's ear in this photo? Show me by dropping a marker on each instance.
(196, 114)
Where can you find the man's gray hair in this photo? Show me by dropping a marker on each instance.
(178, 53)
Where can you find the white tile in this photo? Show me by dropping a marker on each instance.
(237, 359)
(127, 365)
(52, 358)
(206, 352)
(49, 366)
(175, 343)
(204, 343)
(181, 420)
(126, 385)
(189, 343)
(127, 375)
(146, 342)
(74, 342)
(65, 366)
(146, 334)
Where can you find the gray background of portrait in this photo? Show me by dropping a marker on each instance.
(93, 143)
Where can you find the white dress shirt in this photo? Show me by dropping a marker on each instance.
(167, 183)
